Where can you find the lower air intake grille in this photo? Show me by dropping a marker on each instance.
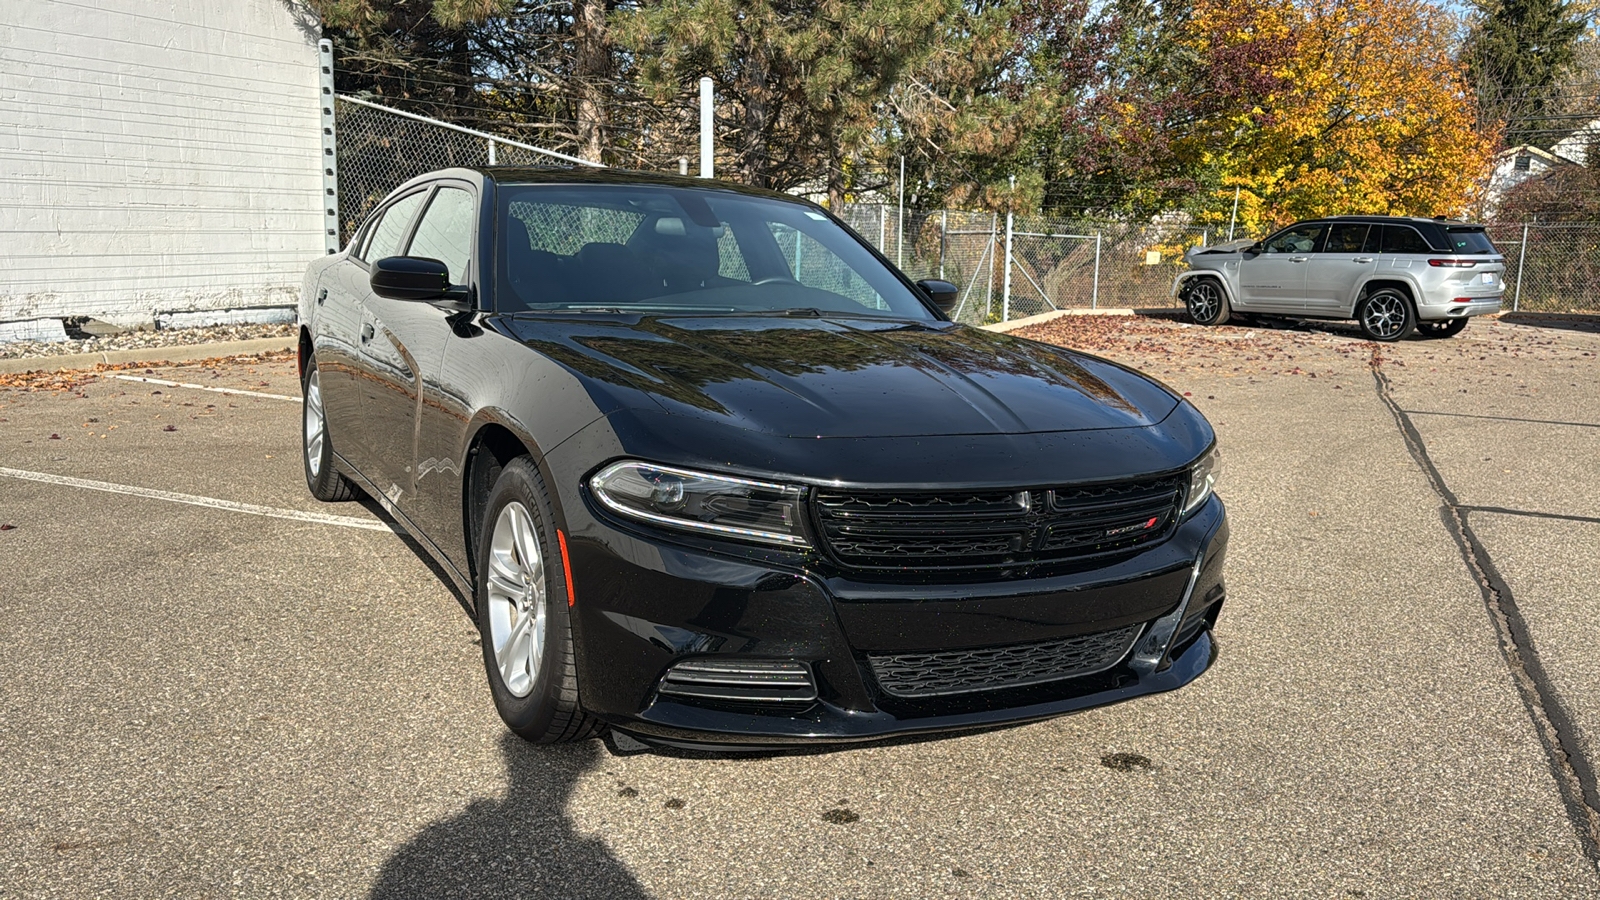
(741, 681)
(918, 675)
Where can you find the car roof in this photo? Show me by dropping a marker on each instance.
(575, 174)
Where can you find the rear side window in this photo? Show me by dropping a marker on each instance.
(1403, 239)
(391, 228)
(1346, 237)
(1468, 240)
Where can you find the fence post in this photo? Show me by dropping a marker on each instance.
(944, 228)
(707, 120)
(491, 152)
(1094, 294)
(330, 152)
(988, 283)
(1522, 254)
(900, 221)
(883, 227)
(1005, 296)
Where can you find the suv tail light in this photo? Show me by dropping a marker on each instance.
(1452, 263)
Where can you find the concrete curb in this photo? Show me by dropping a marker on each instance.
(1054, 314)
(177, 354)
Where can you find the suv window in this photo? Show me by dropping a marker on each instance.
(445, 232)
(1402, 239)
(1346, 237)
(1298, 239)
(390, 230)
(1468, 239)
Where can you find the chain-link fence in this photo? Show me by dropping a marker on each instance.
(1550, 268)
(1047, 263)
(380, 148)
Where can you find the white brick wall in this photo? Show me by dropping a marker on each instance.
(156, 157)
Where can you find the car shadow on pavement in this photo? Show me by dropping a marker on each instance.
(1588, 324)
(520, 846)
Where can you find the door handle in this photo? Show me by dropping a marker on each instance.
(366, 332)
(1363, 259)
(321, 296)
(1298, 259)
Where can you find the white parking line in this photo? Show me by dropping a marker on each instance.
(202, 387)
(193, 500)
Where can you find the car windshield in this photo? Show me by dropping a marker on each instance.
(1468, 240)
(657, 249)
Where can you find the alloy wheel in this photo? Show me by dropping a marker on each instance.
(1384, 315)
(316, 425)
(1204, 302)
(516, 589)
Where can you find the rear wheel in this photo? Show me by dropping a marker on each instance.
(1206, 302)
(1443, 328)
(523, 621)
(322, 476)
(1386, 315)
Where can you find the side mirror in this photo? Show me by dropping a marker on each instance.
(410, 278)
(943, 293)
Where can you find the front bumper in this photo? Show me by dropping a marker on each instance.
(644, 605)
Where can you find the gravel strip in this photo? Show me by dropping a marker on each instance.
(138, 340)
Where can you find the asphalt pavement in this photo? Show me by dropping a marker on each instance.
(216, 686)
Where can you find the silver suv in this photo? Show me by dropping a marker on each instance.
(1392, 275)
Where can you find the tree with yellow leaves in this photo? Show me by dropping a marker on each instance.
(1348, 106)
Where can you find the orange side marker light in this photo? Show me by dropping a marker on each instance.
(566, 567)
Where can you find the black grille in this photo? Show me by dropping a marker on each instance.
(944, 532)
(918, 675)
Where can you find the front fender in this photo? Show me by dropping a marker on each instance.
(1178, 282)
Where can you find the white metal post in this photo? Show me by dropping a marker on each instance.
(944, 230)
(491, 153)
(900, 222)
(705, 127)
(883, 227)
(988, 283)
(330, 152)
(1094, 293)
(1235, 217)
(1005, 290)
(1522, 254)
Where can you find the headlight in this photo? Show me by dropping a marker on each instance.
(1201, 479)
(695, 501)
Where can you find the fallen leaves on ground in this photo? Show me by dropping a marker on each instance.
(75, 380)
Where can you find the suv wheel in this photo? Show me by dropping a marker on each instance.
(1386, 315)
(1442, 329)
(1206, 302)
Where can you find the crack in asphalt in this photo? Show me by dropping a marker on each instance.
(1573, 774)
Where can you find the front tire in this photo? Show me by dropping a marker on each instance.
(525, 629)
(1206, 302)
(1443, 328)
(1386, 315)
(316, 448)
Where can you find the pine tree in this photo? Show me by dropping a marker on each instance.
(802, 86)
(1515, 53)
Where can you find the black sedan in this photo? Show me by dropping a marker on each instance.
(713, 472)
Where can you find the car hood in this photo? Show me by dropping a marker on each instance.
(844, 377)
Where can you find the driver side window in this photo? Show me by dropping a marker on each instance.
(1300, 239)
